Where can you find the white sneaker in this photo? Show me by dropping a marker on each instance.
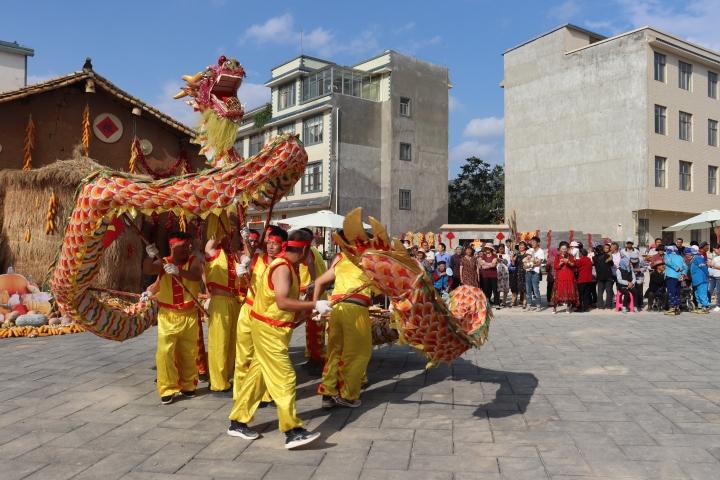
(716, 309)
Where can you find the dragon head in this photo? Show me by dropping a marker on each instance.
(216, 88)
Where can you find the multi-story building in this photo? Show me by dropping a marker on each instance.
(13, 65)
(616, 135)
(376, 135)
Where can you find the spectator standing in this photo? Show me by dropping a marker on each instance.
(565, 288)
(629, 248)
(488, 269)
(503, 274)
(517, 277)
(714, 276)
(699, 275)
(584, 280)
(442, 256)
(675, 269)
(638, 268)
(427, 265)
(550, 274)
(680, 244)
(536, 258)
(469, 268)
(455, 267)
(615, 252)
(604, 277)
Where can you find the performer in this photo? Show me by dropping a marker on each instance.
(224, 308)
(310, 268)
(349, 334)
(274, 312)
(178, 317)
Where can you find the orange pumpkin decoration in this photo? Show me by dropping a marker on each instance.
(14, 283)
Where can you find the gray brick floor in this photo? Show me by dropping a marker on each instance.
(581, 396)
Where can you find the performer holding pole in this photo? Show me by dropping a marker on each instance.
(274, 311)
(178, 318)
(349, 333)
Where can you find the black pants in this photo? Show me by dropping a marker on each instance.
(550, 284)
(606, 287)
(659, 294)
(637, 292)
(490, 287)
(593, 293)
(585, 292)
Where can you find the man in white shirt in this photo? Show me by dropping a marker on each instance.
(714, 271)
(532, 276)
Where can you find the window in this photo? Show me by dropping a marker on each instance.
(287, 128)
(312, 179)
(660, 120)
(712, 84)
(240, 146)
(685, 176)
(313, 130)
(660, 171)
(286, 96)
(659, 67)
(712, 132)
(316, 84)
(405, 199)
(685, 78)
(644, 231)
(712, 180)
(404, 107)
(257, 142)
(685, 126)
(405, 151)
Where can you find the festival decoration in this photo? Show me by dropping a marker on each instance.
(430, 238)
(106, 195)
(571, 236)
(107, 128)
(135, 153)
(450, 236)
(422, 319)
(85, 139)
(29, 144)
(410, 237)
(50, 226)
(548, 240)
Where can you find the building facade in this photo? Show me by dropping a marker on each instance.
(376, 135)
(615, 135)
(13, 65)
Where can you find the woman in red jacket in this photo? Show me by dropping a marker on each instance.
(584, 279)
(565, 288)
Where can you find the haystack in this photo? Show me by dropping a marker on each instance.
(24, 199)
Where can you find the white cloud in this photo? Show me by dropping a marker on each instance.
(490, 152)
(696, 20)
(486, 127)
(253, 95)
(275, 30)
(565, 11)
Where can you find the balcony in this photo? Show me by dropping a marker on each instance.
(342, 81)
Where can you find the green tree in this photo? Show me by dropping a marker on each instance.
(477, 194)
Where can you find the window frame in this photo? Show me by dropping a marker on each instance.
(305, 185)
(661, 113)
(405, 205)
(262, 144)
(685, 71)
(712, 84)
(662, 67)
(408, 149)
(687, 175)
(282, 129)
(662, 171)
(712, 132)
(318, 139)
(291, 89)
(689, 123)
(712, 180)
(407, 102)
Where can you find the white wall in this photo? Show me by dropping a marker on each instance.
(12, 71)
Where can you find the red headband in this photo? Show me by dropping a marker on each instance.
(297, 243)
(254, 235)
(176, 241)
(275, 238)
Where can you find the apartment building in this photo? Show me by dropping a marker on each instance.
(376, 135)
(617, 135)
(13, 65)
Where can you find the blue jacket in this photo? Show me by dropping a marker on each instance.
(699, 270)
(674, 265)
(441, 282)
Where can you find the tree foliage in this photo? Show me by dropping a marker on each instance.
(477, 194)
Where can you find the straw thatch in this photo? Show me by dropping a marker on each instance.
(24, 197)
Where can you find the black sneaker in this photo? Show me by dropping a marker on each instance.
(297, 437)
(328, 402)
(347, 403)
(266, 404)
(241, 430)
(166, 400)
(188, 394)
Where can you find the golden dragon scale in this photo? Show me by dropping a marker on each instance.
(442, 333)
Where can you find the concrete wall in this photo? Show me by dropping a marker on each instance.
(427, 131)
(575, 148)
(58, 116)
(12, 71)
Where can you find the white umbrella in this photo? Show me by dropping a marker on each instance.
(323, 218)
(709, 219)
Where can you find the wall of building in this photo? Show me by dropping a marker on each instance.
(58, 118)
(12, 71)
(575, 130)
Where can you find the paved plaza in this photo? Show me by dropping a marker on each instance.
(581, 396)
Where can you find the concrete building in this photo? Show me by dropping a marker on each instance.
(13, 65)
(376, 135)
(614, 135)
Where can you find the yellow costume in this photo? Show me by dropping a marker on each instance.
(349, 334)
(177, 338)
(223, 313)
(271, 370)
(243, 342)
(314, 331)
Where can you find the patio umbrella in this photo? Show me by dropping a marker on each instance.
(708, 219)
(323, 218)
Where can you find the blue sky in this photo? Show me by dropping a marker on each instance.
(144, 47)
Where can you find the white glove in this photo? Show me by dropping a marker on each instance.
(171, 269)
(245, 260)
(322, 306)
(152, 251)
(240, 269)
(145, 296)
(245, 234)
(449, 272)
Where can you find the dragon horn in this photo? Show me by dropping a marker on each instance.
(353, 225)
(180, 94)
(378, 230)
(192, 78)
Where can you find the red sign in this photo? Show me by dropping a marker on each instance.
(500, 236)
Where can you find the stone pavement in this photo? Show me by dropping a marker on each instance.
(581, 396)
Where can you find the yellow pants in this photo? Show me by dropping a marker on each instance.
(176, 351)
(223, 313)
(270, 372)
(348, 351)
(243, 347)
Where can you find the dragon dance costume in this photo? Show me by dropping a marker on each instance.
(178, 324)
(270, 369)
(314, 331)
